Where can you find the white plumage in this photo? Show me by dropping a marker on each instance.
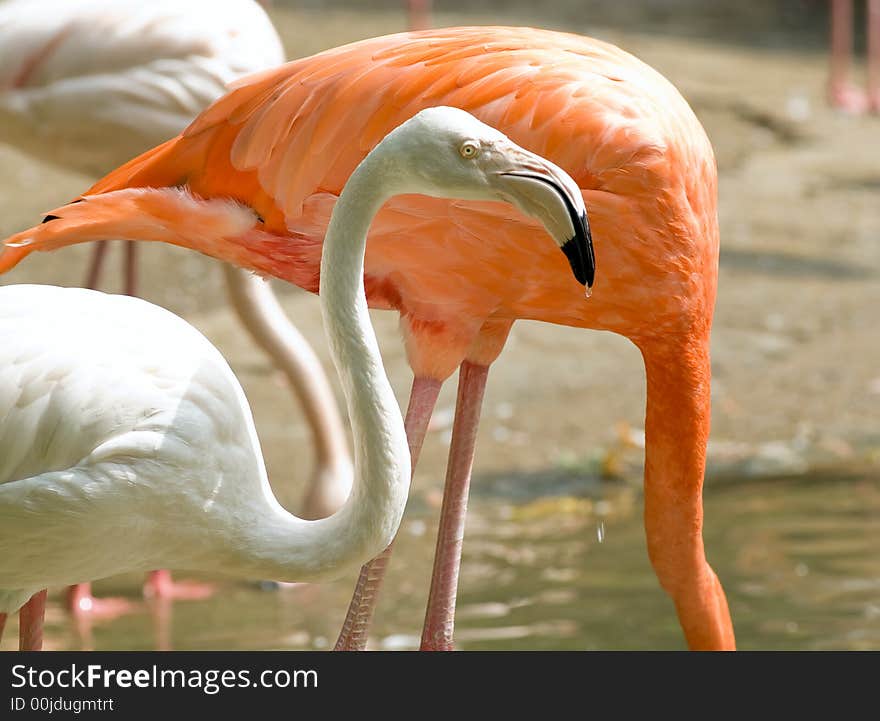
(127, 444)
(89, 84)
(124, 435)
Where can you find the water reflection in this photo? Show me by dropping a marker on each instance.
(798, 558)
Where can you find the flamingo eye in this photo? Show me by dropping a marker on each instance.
(469, 150)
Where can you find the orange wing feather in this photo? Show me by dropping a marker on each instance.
(284, 142)
(556, 94)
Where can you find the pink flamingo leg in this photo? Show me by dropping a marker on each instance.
(841, 93)
(419, 14)
(130, 269)
(161, 610)
(160, 585)
(30, 627)
(440, 615)
(3, 617)
(356, 627)
(874, 55)
(96, 265)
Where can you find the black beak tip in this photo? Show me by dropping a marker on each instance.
(579, 251)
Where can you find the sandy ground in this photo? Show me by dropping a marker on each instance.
(795, 344)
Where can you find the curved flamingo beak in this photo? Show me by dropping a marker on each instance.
(545, 191)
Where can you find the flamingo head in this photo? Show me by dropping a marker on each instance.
(447, 152)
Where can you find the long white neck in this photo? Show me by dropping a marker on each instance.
(262, 315)
(285, 547)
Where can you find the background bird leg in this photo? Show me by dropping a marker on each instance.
(159, 584)
(841, 92)
(419, 12)
(874, 55)
(30, 618)
(265, 320)
(79, 601)
(96, 265)
(130, 269)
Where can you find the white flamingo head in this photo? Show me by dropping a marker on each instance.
(447, 152)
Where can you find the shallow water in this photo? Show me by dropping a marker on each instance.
(798, 559)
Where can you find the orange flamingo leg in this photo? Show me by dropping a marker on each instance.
(159, 584)
(841, 93)
(874, 55)
(30, 619)
(356, 627)
(3, 617)
(677, 430)
(440, 614)
(80, 602)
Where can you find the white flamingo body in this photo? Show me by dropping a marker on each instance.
(127, 444)
(89, 84)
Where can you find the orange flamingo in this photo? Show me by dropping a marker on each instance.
(284, 142)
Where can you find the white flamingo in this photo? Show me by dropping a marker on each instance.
(88, 84)
(126, 442)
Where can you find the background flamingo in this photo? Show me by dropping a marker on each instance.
(87, 85)
(841, 92)
(285, 142)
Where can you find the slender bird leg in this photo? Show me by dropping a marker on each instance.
(84, 627)
(30, 623)
(159, 584)
(676, 433)
(130, 269)
(356, 627)
(419, 14)
(96, 265)
(80, 601)
(874, 55)
(3, 617)
(440, 614)
(263, 317)
(841, 93)
(161, 611)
